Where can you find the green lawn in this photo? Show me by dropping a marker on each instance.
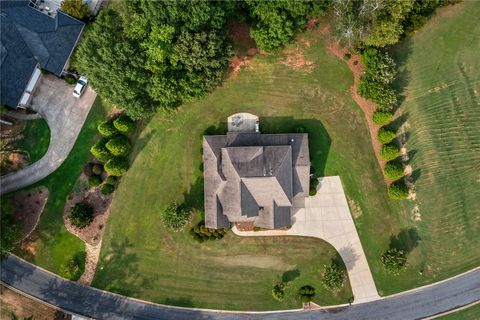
(140, 258)
(36, 138)
(471, 313)
(55, 244)
(441, 69)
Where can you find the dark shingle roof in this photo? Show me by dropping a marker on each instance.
(29, 37)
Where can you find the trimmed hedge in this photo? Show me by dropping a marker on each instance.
(386, 135)
(100, 151)
(107, 129)
(124, 124)
(389, 152)
(94, 180)
(201, 233)
(398, 190)
(393, 170)
(382, 118)
(81, 215)
(117, 166)
(107, 189)
(119, 145)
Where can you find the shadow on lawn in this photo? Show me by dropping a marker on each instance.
(406, 240)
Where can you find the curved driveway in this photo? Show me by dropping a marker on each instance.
(90, 302)
(65, 116)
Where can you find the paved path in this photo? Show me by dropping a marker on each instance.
(327, 216)
(90, 302)
(65, 116)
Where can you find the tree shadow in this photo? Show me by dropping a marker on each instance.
(398, 122)
(290, 275)
(348, 256)
(400, 53)
(415, 175)
(193, 198)
(406, 240)
(337, 261)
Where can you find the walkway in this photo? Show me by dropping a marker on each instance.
(327, 216)
(65, 116)
(90, 302)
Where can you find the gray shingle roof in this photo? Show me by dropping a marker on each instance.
(254, 177)
(29, 37)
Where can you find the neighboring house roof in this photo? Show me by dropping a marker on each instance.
(253, 177)
(29, 37)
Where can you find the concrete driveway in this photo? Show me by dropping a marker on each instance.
(65, 116)
(327, 216)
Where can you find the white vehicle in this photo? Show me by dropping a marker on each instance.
(80, 87)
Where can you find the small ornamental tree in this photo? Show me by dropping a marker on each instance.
(333, 277)
(117, 166)
(398, 190)
(394, 260)
(382, 118)
(81, 215)
(393, 170)
(386, 135)
(119, 145)
(124, 124)
(278, 291)
(306, 293)
(175, 217)
(100, 151)
(76, 8)
(107, 129)
(389, 152)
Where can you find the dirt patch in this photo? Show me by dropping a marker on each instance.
(355, 209)
(28, 206)
(114, 112)
(244, 46)
(23, 307)
(244, 226)
(295, 59)
(29, 245)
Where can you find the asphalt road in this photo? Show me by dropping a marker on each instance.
(97, 304)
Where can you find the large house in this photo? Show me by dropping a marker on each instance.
(32, 40)
(252, 177)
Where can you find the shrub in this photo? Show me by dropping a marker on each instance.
(386, 135)
(306, 293)
(81, 215)
(393, 170)
(394, 260)
(107, 129)
(100, 151)
(347, 56)
(389, 152)
(124, 124)
(175, 217)
(111, 180)
(70, 79)
(313, 186)
(382, 118)
(333, 277)
(117, 166)
(87, 169)
(72, 269)
(200, 230)
(398, 190)
(119, 145)
(94, 180)
(278, 291)
(107, 189)
(97, 169)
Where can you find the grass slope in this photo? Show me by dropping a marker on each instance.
(140, 258)
(470, 313)
(441, 71)
(55, 245)
(36, 138)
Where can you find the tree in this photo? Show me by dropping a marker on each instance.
(393, 170)
(107, 129)
(119, 145)
(389, 152)
(333, 277)
(100, 151)
(124, 124)
(394, 260)
(398, 190)
(278, 291)
(175, 217)
(81, 215)
(382, 118)
(76, 8)
(386, 135)
(306, 293)
(117, 166)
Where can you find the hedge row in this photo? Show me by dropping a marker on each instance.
(201, 233)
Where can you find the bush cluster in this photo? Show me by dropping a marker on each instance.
(119, 145)
(382, 118)
(313, 186)
(389, 152)
(333, 277)
(100, 151)
(398, 190)
(175, 217)
(278, 291)
(386, 135)
(107, 129)
(124, 124)
(306, 293)
(393, 170)
(81, 215)
(117, 166)
(201, 233)
(394, 260)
